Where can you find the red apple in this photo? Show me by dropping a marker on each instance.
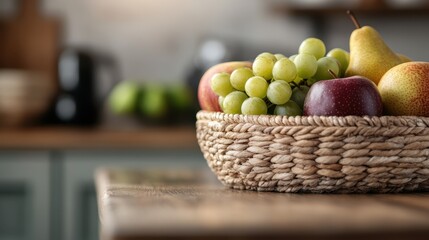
(354, 95)
(206, 97)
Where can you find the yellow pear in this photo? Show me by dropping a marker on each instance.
(369, 54)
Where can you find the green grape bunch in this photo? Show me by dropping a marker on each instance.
(277, 84)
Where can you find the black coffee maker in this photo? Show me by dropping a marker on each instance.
(79, 100)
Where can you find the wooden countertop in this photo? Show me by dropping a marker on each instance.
(98, 138)
(193, 205)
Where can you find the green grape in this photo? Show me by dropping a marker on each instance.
(311, 81)
(299, 94)
(298, 79)
(313, 46)
(254, 106)
(279, 92)
(306, 65)
(220, 84)
(239, 77)
(324, 65)
(263, 67)
(271, 108)
(268, 55)
(256, 87)
(220, 101)
(343, 58)
(284, 69)
(292, 58)
(232, 102)
(288, 109)
(279, 56)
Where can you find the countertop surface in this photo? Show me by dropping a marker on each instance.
(192, 204)
(183, 137)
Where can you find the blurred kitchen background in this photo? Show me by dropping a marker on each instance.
(61, 62)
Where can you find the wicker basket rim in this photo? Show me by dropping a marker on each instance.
(322, 121)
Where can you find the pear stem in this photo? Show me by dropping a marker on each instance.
(353, 17)
(332, 73)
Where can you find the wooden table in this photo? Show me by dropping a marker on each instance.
(193, 205)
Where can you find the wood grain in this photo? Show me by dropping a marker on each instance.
(98, 138)
(136, 205)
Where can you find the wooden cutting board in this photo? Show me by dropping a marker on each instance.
(29, 40)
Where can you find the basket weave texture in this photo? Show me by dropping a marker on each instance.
(316, 154)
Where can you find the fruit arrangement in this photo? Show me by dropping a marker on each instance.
(341, 143)
(365, 81)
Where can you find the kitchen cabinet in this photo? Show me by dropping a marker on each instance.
(47, 175)
(24, 195)
(80, 218)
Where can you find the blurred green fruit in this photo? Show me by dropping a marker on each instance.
(153, 102)
(123, 98)
(180, 97)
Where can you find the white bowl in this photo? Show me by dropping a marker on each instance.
(24, 96)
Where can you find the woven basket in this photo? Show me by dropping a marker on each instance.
(316, 154)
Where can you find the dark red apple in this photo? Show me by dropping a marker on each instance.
(206, 97)
(354, 95)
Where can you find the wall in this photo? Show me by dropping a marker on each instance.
(159, 39)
